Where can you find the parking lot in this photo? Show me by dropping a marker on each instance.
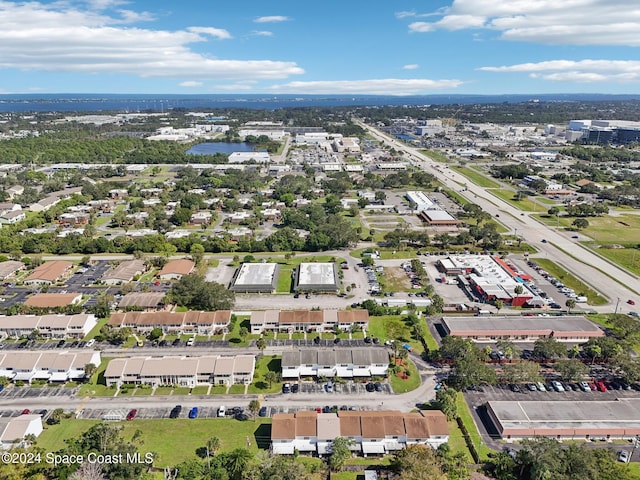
(37, 392)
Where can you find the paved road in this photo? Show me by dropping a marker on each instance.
(560, 247)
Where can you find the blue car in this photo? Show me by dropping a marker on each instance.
(193, 413)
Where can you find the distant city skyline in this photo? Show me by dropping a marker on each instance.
(355, 47)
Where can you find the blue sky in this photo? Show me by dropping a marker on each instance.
(351, 47)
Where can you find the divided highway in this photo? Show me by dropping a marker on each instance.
(613, 282)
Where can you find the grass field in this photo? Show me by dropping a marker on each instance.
(526, 204)
(393, 327)
(570, 281)
(476, 177)
(628, 258)
(173, 440)
(434, 155)
(264, 364)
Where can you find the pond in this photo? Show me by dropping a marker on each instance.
(211, 148)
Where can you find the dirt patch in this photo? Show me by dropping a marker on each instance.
(396, 279)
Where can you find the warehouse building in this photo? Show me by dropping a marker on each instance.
(574, 420)
(574, 328)
(316, 277)
(256, 278)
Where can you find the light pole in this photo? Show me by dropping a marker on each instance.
(617, 304)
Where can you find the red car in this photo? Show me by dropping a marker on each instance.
(26, 411)
(631, 302)
(601, 386)
(132, 414)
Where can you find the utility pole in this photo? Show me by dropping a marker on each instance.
(617, 304)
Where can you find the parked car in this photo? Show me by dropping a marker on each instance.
(191, 341)
(370, 387)
(541, 386)
(222, 411)
(585, 387)
(262, 412)
(26, 411)
(175, 411)
(132, 414)
(532, 387)
(601, 386)
(90, 343)
(623, 456)
(515, 388)
(294, 388)
(377, 386)
(286, 388)
(193, 413)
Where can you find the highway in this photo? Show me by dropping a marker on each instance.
(617, 285)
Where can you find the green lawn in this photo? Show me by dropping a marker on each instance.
(435, 155)
(628, 258)
(572, 282)
(264, 364)
(476, 177)
(525, 204)
(401, 385)
(96, 330)
(467, 419)
(236, 389)
(201, 390)
(392, 327)
(96, 386)
(173, 440)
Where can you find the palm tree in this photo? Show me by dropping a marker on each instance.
(570, 303)
(213, 445)
(261, 343)
(270, 377)
(518, 290)
(237, 462)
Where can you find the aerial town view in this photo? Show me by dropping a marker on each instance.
(246, 244)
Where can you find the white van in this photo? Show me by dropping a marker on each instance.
(581, 299)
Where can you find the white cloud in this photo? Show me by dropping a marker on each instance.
(621, 71)
(272, 19)
(262, 33)
(191, 84)
(214, 32)
(389, 86)
(405, 14)
(59, 38)
(411, 66)
(573, 22)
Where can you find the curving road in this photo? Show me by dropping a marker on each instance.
(613, 282)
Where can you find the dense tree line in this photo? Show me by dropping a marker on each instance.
(601, 154)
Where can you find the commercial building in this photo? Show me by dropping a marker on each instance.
(183, 371)
(52, 366)
(249, 157)
(48, 326)
(340, 362)
(439, 218)
(13, 431)
(575, 329)
(176, 269)
(48, 272)
(199, 323)
(372, 433)
(562, 420)
(316, 277)
(256, 278)
(124, 272)
(308, 320)
(488, 278)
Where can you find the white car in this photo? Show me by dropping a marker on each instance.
(585, 387)
(557, 386)
(190, 342)
(91, 342)
(222, 411)
(623, 456)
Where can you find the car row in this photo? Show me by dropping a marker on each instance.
(558, 386)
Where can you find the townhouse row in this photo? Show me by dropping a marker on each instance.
(335, 363)
(182, 371)
(372, 432)
(191, 322)
(59, 367)
(289, 321)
